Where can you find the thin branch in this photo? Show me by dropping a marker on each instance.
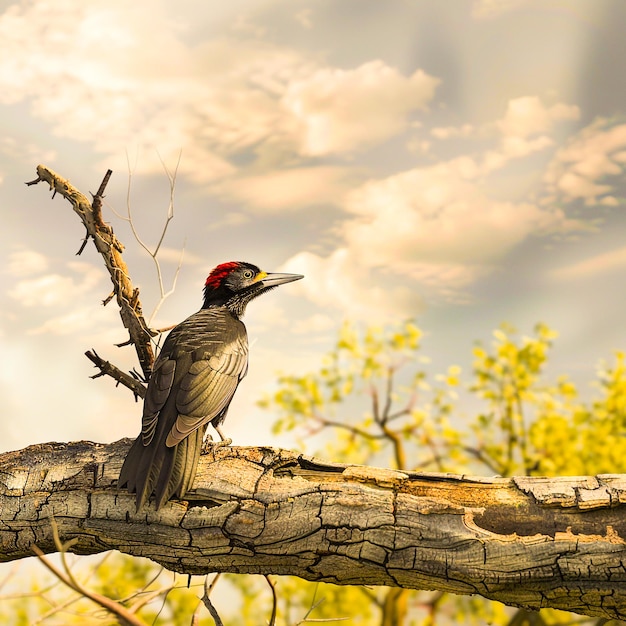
(56, 608)
(272, 586)
(124, 616)
(483, 458)
(207, 601)
(171, 176)
(355, 430)
(374, 394)
(388, 396)
(314, 605)
(397, 441)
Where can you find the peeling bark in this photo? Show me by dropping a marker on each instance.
(528, 542)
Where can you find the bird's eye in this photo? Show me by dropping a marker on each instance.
(248, 274)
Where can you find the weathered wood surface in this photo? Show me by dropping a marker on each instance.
(531, 542)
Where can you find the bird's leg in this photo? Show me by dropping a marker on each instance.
(208, 445)
(225, 440)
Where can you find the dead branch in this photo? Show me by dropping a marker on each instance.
(108, 369)
(111, 249)
(527, 542)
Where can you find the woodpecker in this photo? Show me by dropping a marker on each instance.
(193, 381)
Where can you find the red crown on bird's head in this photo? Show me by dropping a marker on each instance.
(219, 273)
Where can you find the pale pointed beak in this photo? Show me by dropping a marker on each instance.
(273, 280)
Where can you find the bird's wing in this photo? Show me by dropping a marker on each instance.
(195, 375)
(159, 388)
(206, 390)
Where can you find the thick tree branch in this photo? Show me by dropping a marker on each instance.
(111, 249)
(529, 542)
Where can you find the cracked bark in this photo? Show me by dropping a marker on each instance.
(528, 542)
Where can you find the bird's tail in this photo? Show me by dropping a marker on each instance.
(161, 471)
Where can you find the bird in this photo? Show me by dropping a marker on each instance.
(194, 379)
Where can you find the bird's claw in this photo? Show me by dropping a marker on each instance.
(208, 445)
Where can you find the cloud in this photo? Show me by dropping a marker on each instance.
(527, 127)
(440, 216)
(529, 116)
(435, 228)
(26, 263)
(286, 189)
(488, 9)
(341, 110)
(439, 226)
(339, 282)
(594, 266)
(447, 132)
(304, 18)
(316, 323)
(222, 97)
(27, 152)
(56, 290)
(76, 321)
(179, 256)
(227, 220)
(592, 155)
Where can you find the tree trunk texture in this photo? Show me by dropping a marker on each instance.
(527, 542)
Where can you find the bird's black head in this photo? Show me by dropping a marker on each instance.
(234, 284)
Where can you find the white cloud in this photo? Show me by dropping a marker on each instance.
(55, 289)
(439, 215)
(527, 127)
(268, 316)
(245, 25)
(594, 266)
(592, 155)
(529, 116)
(94, 71)
(339, 281)
(341, 110)
(26, 263)
(436, 226)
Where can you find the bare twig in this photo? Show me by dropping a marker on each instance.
(153, 253)
(123, 615)
(207, 601)
(388, 396)
(272, 586)
(355, 430)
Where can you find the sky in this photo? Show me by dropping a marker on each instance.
(460, 163)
